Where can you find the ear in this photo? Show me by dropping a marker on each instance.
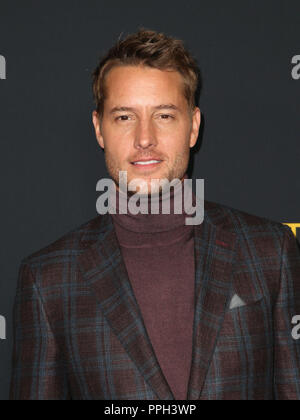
(97, 126)
(196, 121)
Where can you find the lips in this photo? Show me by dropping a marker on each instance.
(152, 160)
(146, 162)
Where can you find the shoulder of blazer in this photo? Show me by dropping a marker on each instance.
(74, 242)
(241, 222)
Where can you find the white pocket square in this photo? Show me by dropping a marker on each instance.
(236, 302)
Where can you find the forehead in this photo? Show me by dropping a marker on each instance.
(143, 84)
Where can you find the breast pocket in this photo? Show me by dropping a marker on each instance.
(248, 323)
(243, 357)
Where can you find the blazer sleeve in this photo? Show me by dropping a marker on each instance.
(38, 371)
(287, 348)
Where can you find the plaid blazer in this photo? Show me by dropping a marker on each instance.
(79, 333)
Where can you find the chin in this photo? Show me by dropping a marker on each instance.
(147, 189)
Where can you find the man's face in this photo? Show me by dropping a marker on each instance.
(147, 128)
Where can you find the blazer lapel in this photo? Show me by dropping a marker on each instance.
(214, 254)
(104, 270)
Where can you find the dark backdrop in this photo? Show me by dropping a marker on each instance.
(50, 161)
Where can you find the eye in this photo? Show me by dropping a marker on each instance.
(166, 116)
(123, 118)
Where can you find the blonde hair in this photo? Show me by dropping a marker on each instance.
(152, 49)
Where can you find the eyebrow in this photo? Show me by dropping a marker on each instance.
(131, 109)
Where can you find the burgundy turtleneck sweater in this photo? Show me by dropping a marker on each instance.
(158, 252)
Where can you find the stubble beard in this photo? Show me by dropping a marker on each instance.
(176, 171)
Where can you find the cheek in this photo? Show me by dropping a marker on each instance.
(117, 138)
(117, 152)
(177, 134)
(177, 144)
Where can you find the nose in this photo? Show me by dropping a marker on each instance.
(145, 135)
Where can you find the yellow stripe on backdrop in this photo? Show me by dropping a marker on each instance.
(293, 226)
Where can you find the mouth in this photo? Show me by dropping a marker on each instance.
(144, 164)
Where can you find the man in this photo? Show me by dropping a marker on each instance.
(135, 306)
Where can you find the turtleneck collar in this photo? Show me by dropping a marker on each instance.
(136, 230)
